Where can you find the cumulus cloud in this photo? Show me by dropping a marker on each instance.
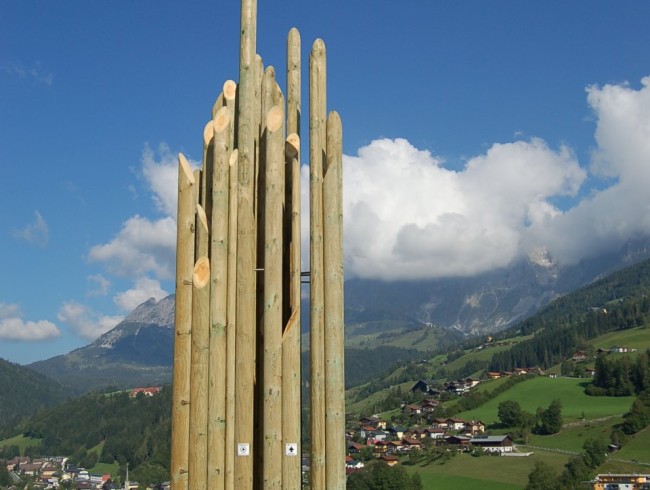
(14, 327)
(408, 217)
(606, 219)
(35, 233)
(144, 289)
(141, 247)
(85, 322)
(162, 178)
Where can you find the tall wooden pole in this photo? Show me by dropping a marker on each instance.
(231, 332)
(182, 325)
(291, 406)
(273, 243)
(333, 272)
(198, 449)
(245, 308)
(317, 137)
(218, 299)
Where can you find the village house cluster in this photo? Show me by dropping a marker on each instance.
(387, 443)
(55, 472)
(51, 473)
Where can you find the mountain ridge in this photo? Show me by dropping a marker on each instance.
(139, 350)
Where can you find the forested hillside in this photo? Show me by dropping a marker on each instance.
(108, 428)
(618, 302)
(22, 393)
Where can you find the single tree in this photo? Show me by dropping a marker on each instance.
(543, 477)
(595, 452)
(509, 413)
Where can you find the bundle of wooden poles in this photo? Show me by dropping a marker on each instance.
(236, 415)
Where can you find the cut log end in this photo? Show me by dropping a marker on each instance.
(275, 118)
(187, 170)
(292, 145)
(229, 89)
(221, 119)
(208, 133)
(201, 275)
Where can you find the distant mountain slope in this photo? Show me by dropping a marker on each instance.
(421, 315)
(615, 306)
(138, 351)
(616, 302)
(23, 392)
(485, 303)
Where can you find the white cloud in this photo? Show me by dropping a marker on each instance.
(606, 219)
(85, 322)
(14, 327)
(162, 178)
(408, 217)
(144, 289)
(36, 233)
(141, 247)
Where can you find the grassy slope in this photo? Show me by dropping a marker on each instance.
(637, 448)
(634, 338)
(21, 441)
(486, 472)
(540, 391)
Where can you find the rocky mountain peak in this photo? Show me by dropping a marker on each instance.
(154, 312)
(541, 257)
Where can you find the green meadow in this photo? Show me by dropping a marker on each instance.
(541, 390)
(21, 441)
(484, 472)
(634, 338)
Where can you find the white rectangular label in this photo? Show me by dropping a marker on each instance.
(291, 449)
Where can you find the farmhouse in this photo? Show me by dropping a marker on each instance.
(426, 387)
(389, 459)
(460, 441)
(493, 444)
(579, 355)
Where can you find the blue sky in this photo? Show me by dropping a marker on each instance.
(475, 133)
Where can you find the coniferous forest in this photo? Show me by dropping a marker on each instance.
(106, 428)
(618, 302)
